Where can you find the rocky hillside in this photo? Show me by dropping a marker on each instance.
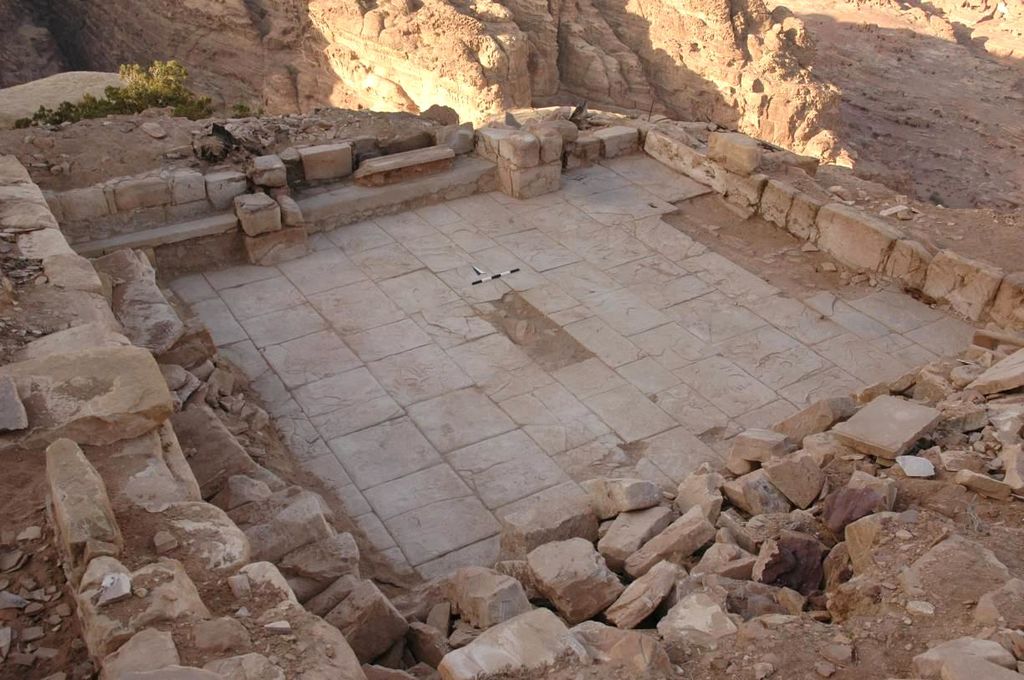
(734, 63)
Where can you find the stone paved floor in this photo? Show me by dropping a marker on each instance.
(374, 356)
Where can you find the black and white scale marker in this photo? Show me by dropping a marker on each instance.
(484, 278)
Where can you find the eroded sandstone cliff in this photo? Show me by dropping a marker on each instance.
(731, 62)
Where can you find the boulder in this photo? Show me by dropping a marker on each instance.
(526, 643)
(368, 620)
(929, 664)
(556, 519)
(94, 397)
(610, 497)
(574, 577)
(703, 489)
(847, 505)
(969, 667)
(264, 581)
(629, 531)
(485, 598)
(149, 649)
(754, 494)
(675, 543)
(698, 619)
(643, 596)
(172, 673)
(793, 560)
(331, 596)
(220, 635)
(74, 339)
(428, 644)
(1002, 607)
(887, 427)
(81, 509)
(797, 476)
(630, 649)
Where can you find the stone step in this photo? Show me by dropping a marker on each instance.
(402, 166)
(214, 225)
(351, 203)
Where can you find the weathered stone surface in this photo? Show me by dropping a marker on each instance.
(736, 151)
(818, 417)
(1008, 306)
(643, 596)
(527, 642)
(74, 339)
(326, 162)
(405, 165)
(915, 466)
(776, 201)
(296, 520)
(276, 247)
(549, 520)
(678, 541)
(187, 186)
(1004, 376)
(427, 643)
(697, 619)
(206, 536)
(257, 213)
(908, 263)
(887, 427)
(612, 496)
(72, 272)
(520, 149)
(324, 561)
(268, 171)
(221, 635)
(855, 238)
(170, 596)
(756, 446)
(969, 667)
(81, 508)
(847, 505)
(141, 192)
(1002, 607)
(222, 187)
(797, 476)
(172, 673)
(633, 650)
(95, 396)
(886, 487)
(629, 531)
(1013, 467)
(291, 213)
(725, 559)
(968, 285)
(368, 620)
(331, 596)
(325, 652)
(574, 577)
(929, 664)
(754, 494)
(265, 580)
(485, 598)
(12, 411)
(148, 649)
(792, 561)
(983, 484)
(526, 183)
(702, 489)
(618, 140)
(956, 569)
(246, 667)
(240, 490)
(148, 319)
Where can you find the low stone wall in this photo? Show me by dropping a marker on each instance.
(972, 288)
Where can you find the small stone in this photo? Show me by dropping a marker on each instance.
(610, 497)
(12, 411)
(278, 627)
(920, 607)
(114, 587)
(839, 654)
(32, 634)
(915, 466)
(154, 130)
(164, 542)
(33, 533)
(754, 494)
(240, 586)
(824, 669)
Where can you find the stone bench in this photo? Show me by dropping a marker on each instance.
(405, 165)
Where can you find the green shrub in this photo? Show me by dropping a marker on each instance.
(160, 85)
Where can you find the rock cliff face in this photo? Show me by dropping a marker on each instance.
(729, 61)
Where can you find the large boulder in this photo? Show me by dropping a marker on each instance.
(368, 620)
(574, 577)
(485, 598)
(557, 519)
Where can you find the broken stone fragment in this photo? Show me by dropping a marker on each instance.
(1003, 607)
(239, 490)
(643, 596)
(634, 650)
(957, 569)
(610, 497)
(522, 644)
(697, 619)
(246, 667)
(793, 560)
(726, 559)
(164, 542)
(756, 446)
(629, 531)
(268, 171)
(1012, 458)
(818, 417)
(281, 627)
(736, 151)
(846, 505)
(220, 635)
(701, 488)
(12, 411)
(983, 484)
(797, 476)
(557, 519)
(887, 427)
(915, 466)
(149, 649)
(368, 620)
(675, 543)
(325, 560)
(427, 643)
(754, 494)
(574, 577)
(929, 664)
(485, 598)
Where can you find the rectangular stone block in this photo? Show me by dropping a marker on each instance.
(736, 151)
(408, 164)
(618, 140)
(776, 201)
(586, 149)
(276, 247)
(521, 150)
(680, 155)
(887, 427)
(908, 263)
(257, 213)
(969, 286)
(223, 186)
(803, 214)
(326, 161)
(487, 141)
(1008, 306)
(141, 192)
(187, 186)
(84, 204)
(529, 182)
(741, 192)
(855, 238)
(268, 171)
